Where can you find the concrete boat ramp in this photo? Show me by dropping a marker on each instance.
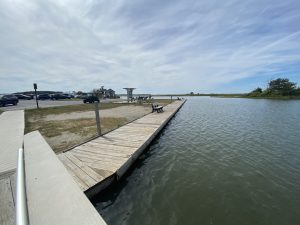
(57, 187)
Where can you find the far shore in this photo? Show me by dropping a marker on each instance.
(233, 96)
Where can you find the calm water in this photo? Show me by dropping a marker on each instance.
(219, 161)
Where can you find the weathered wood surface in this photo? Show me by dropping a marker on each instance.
(7, 200)
(112, 154)
(52, 195)
(11, 136)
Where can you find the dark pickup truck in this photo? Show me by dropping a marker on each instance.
(90, 99)
(8, 100)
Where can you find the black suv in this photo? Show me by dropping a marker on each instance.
(8, 100)
(58, 96)
(43, 97)
(21, 96)
(90, 99)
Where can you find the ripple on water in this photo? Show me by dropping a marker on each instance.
(219, 161)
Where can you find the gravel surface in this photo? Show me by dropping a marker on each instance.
(129, 112)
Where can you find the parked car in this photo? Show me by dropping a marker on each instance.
(69, 96)
(32, 96)
(90, 99)
(21, 96)
(43, 97)
(58, 96)
(8, 100)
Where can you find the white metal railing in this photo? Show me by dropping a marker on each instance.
(21, 199)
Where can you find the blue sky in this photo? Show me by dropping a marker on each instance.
(156, 46)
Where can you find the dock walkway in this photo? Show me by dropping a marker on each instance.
(96, 164)
(53, 197)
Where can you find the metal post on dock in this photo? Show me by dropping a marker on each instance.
(21, 199)
(97, 117)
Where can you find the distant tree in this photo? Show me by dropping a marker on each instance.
(281, 86)
(256, 92)
(191, 93)
(79, 93)
(97, 93)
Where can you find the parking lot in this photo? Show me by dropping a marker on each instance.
(31, 104)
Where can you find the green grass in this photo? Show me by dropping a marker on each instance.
(83, 129)
(1, 111)
(68, 109)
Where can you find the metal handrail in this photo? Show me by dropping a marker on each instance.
(21, 199)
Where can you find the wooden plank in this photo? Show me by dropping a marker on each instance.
(134, 124)
(7, 209)
(53, 195)
(108, 148)
(108, 165)
(120, 140)
(116, 142)
(126, 137)
(100, 156)
(106, 153)
(78, 172)
(85, 168)
(100, 165)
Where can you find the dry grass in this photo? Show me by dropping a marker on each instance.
(68, 109)
(62, 135)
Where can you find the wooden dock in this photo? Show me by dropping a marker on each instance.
(52, 195)
(96, 164)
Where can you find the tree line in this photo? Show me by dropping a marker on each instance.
(279, 87)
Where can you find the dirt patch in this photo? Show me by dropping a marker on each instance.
(129, 112)
(66, 129)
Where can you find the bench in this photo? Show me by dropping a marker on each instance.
(157, 108)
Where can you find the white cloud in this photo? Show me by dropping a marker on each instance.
(156, 46)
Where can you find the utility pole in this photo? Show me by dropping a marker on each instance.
(36, 98)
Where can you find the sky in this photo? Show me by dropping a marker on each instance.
(156, 46)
